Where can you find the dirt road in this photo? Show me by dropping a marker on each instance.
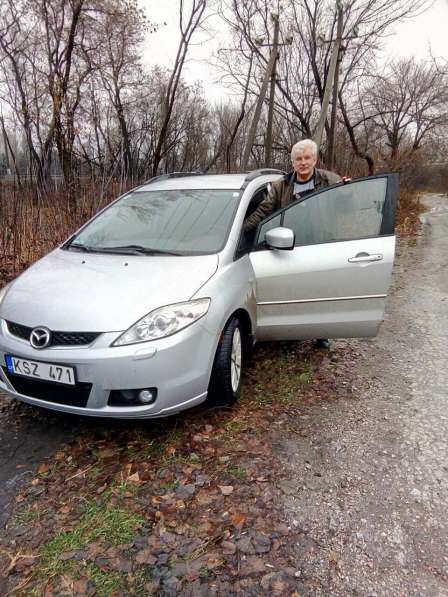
(368, 484)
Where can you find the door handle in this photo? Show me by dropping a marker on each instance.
(365, 258)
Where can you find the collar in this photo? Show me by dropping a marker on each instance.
(291, 177)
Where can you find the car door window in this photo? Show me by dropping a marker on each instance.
(343, 213)
(269, 225)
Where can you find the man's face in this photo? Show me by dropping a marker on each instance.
(304, 163)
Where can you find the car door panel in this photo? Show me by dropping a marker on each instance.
(314, 291)
(329, 289)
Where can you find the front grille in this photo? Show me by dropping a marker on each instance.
(72, 338)
(76, 395)
(20, 331)
(57, 338)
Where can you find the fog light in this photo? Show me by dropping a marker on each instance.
(146, 396)
(136, 398)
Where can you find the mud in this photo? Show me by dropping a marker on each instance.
(27, 437)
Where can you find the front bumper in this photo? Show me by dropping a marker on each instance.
(178, 366)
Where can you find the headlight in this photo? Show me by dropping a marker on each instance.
(164, 321)
(3, 292)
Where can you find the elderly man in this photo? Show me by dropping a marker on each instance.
(303, 180)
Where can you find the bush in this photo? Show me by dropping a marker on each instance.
(30, 229)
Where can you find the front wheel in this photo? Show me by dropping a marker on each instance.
(226, 378)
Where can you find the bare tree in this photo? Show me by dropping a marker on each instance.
(190, 19)
(121, 28)
(408, 102)
(64, 34)
(303, 67)
(18, 47)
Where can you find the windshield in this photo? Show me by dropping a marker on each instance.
(181, 222)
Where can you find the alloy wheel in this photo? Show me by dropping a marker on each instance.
(236, 359)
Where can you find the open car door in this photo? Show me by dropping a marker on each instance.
(334, 282)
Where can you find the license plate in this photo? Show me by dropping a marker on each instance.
(38, 370)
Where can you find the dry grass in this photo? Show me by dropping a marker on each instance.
(410, 167)
(29, 229)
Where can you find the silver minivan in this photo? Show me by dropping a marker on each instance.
(154, 304)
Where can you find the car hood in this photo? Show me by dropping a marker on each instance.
(72, 291)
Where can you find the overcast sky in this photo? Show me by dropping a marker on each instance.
(413, 37)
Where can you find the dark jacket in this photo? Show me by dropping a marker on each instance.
(282, 194)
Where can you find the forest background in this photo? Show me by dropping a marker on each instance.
(83, 117)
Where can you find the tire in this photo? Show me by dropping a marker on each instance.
(226, 379)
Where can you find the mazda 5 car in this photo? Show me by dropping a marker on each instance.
(153, 306)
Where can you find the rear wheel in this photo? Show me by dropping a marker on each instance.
(226, 379)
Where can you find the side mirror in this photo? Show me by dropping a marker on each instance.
(280, 238)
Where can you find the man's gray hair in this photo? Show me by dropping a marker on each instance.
(301, 146)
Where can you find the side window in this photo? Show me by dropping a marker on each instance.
(247, 236)
(269, 225)
(346, 212)
(256, 200)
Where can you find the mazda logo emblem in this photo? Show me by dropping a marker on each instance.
(40, 337)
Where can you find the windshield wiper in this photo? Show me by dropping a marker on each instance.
(84, 248)
(136, 249)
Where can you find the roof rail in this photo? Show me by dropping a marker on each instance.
(260, 172)
(172, 175)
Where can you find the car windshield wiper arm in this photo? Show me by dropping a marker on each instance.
(84, 248)
(139, 249)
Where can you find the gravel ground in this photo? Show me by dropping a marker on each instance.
(368, 474)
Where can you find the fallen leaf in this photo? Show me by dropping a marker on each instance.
(43, 468)
(95, 549)
(278, 587)
(135, 478)
(228, 547)
(100, 490)
(205, 498)
(226, 489)
(80, 586)
(106, 453)
(238, 520)
(253, 565)
(120, 564)
(145, 557)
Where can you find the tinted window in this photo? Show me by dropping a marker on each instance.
(269, 225)
(345, 212)
(183, 221)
